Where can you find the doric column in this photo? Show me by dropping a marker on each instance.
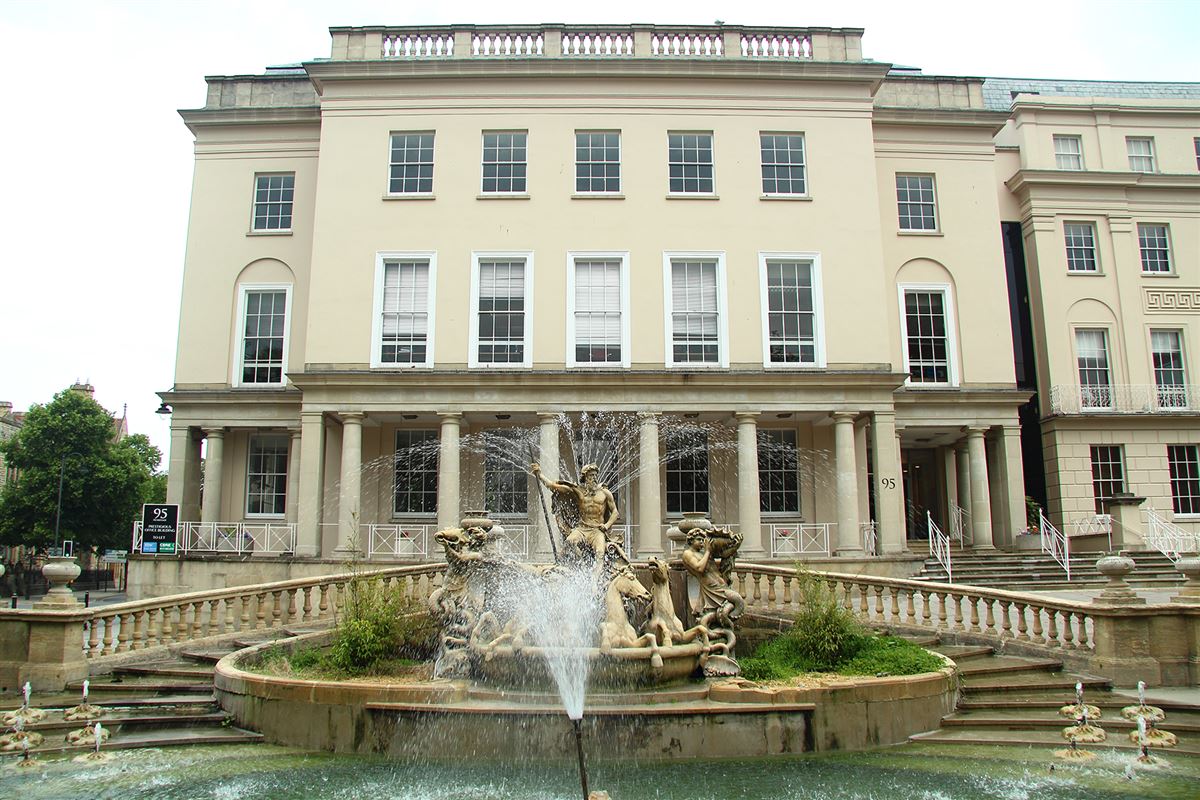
(950, 477)
(183, 475)
(548, 455)
(449, 465)
(749, 509)
(889, 484)
(649, 534)
(310, 483)
(848, 535)
(901, 486)
(981, 501)
(210, 511)
(1013, 468)
(963, 463)
(350, 537)
(293, 474)
(860, 461)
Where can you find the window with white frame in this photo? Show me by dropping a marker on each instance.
(1166, 348)
(1095, 376)
(597, 162)
(1108, 474)
(598, 295)
(927, 350)
(791, 313)
(505, 481)
(783, 166)
(778, 472)
(1068, 152)
(1141, 153)
(1183, 460)
(687, 472)
(1196, 147)
(1155, 246)
(416, 467)
(695, 312)
(500, 329)
(273, 196)
(504, 162)
(1081, 246)
(410, 167)
(916, 203)
(690, 163)
(264, 335)
(403, 316)
(266, 476)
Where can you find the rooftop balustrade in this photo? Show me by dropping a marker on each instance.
(1124, 399)
(721, 42)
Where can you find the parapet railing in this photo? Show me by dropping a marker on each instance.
(1124, 399)
(182, 618)
(240, 538)
(801, 538)
(601, 42)
(399, 540)
(1023, 617)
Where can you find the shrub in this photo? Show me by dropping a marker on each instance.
(825, 633)
(888, 655)
(379, 623)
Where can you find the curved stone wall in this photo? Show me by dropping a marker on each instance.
(438, 719)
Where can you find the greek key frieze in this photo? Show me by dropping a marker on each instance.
(1186, 300)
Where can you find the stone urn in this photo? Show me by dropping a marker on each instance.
(1117, 591)
(692, 520)
(1190, 591)
(59, 572)
(480, 519)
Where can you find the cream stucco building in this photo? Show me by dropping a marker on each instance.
(774, 269)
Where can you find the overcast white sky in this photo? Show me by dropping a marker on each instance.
(96, 166)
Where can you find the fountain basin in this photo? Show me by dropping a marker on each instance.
(701, 719)
(619, 668)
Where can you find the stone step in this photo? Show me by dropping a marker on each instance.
(135, 684)
(119, 722)
(206, 656)
(1109, 703)
(160, 738)
(172, 669)
(1048, 718)
(964, 652)
(1027, 681)
(1044, 738)
(1007, 665)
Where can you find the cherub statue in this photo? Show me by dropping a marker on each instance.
(709, 559)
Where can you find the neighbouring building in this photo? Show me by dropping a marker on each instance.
(10, 423)
(807, 293)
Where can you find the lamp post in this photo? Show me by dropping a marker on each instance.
(62, 468)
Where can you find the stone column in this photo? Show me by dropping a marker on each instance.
(749, 508)
(981, 500)
(213, 474)
(860, 460)
(963, 463)
(548, 457)
(950, 476)
(449, 493)
(889, 484)
(293, 475)
(649, 534)
(848, 535)
(351, 530)
(183, 474)
(901, 487)
(1014, 483)
(311, 484)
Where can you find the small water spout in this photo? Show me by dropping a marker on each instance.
(27, 690)
(98, 731)
(583, 776)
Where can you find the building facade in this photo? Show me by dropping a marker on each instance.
(759, 275)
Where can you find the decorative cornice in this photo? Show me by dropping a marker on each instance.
(1027, 179)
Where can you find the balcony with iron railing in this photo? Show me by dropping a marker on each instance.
(1066, 399)
(608, 42)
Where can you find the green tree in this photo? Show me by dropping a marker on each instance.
(104, 483)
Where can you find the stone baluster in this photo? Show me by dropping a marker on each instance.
(757, 590)
(1036, 618)
(260, 615)
(93, 637)
(1052, 628)
(307, 604)
(229, 619)
(291, 605)
(214, 617)
(110, 635)
(771, 592)
(1022, 628)
(166, 627)
(864, 605)
(990, 623)
(197, 617)
(1084, 639)
(974, 602)
(926, 611)
(244, 620)
(125, 633)
(181, 628)
(879, 607)
(139, 630)
(1005, 619)
(323, 602)
(1068, 632)
(894, 612)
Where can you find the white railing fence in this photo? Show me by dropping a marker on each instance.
(939, 546)
(960, 522)
(240, 538)
(801, 539)
(1168, 538)
(400, 541)
(1054, 543)
(870, 537)
(511, 540)
(1094, 525)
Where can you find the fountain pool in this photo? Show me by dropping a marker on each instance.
(920, 772)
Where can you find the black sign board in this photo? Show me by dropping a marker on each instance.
(160, 525)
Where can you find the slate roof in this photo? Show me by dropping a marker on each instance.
(998, 92)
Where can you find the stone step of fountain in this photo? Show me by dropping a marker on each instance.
(656, 696)
(119, 721)
(209, 655)
(1046, 738)
(1109, 703)
(959, 653)
(1007, 665)
(1177, 723)
(1030, 681)
(157, 738)
(167, 669)
(144, 684)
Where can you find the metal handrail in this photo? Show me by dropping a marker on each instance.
(1168, 538)
(939, 546)
(1054, 543)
